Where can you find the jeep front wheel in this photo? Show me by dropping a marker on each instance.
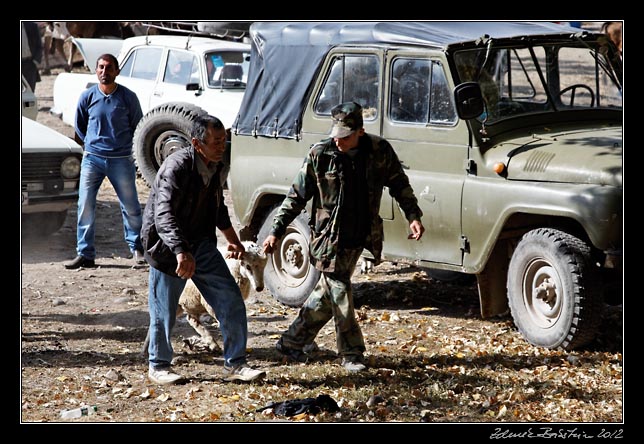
(162, 131)
(553, 293)
(289, 274)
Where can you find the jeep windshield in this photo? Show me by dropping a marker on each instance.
(551, 78)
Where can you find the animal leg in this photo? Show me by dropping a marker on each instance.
(209, 310)
(204, 333)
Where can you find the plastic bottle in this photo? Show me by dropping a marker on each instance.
(77, 413)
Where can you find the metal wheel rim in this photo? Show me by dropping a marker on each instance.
(291, 260)
(543, 313)
(167, 143)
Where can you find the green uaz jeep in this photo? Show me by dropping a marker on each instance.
(511, 135)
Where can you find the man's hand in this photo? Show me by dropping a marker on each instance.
(417, 230)
(185, 265)
(235, 250)
(269, 244)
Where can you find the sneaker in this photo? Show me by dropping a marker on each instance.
(353, 364)
(297, 355)
(138, 257)
(162, 376)
(79, 262)
(242, 373)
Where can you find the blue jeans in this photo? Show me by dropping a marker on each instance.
(122, 175)
(213, 279)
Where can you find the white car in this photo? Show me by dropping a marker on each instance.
(175, 78)
(50, 170)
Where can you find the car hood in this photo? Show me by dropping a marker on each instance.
(37, 137)
(91, 49)
(581, 156)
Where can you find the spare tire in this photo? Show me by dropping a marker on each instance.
(289, 274)
(162, 131)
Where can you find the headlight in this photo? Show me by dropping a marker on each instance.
(70, 168)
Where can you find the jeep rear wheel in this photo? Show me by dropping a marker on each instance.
(553, 293)
(289, 274)
(162, 131)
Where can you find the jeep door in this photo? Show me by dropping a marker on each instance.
(412, 108)
(420, 121)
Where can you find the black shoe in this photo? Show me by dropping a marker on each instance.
(79, 262)
(297, 355)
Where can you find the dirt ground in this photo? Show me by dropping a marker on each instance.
(432, 358)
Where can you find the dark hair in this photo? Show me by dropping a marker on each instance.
(201, 124)
(108, 57)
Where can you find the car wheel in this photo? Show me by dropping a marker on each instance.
(162, 131)
(553, 291)
(42, 224)
(289, 275)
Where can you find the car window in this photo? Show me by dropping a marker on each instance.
(419, 93)
(142, 63)
(227, 69)
(351, 78)
(182, 68)
(441, 103)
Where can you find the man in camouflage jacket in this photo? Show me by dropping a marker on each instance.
(344, 175)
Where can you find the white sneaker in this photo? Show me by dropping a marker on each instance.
(353, 364)
(162, 376)
(242, 373)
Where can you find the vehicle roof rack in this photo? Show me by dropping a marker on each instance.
(221, 30)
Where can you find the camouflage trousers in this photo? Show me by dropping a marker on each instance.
(331, 298)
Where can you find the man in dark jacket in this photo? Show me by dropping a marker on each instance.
(184, 210)
(344, 175)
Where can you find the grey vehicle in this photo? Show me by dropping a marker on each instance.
(511, 135)
(50, 172)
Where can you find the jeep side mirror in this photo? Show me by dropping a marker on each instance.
(469, 100)
(193, 87)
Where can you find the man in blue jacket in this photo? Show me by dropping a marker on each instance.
(106, 117)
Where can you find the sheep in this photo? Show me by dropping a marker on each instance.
(248, 273)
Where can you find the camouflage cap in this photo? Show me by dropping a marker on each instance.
(347, 118)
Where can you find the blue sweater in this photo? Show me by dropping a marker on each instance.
(106, 124)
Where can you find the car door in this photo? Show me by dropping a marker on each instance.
(420, 122)
(139, 72)
(179, 68)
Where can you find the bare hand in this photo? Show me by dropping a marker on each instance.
(235, 251)
(269, 244)
(417, 230)
(185, 265)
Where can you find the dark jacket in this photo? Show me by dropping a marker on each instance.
(177, 200)
(320, 179)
